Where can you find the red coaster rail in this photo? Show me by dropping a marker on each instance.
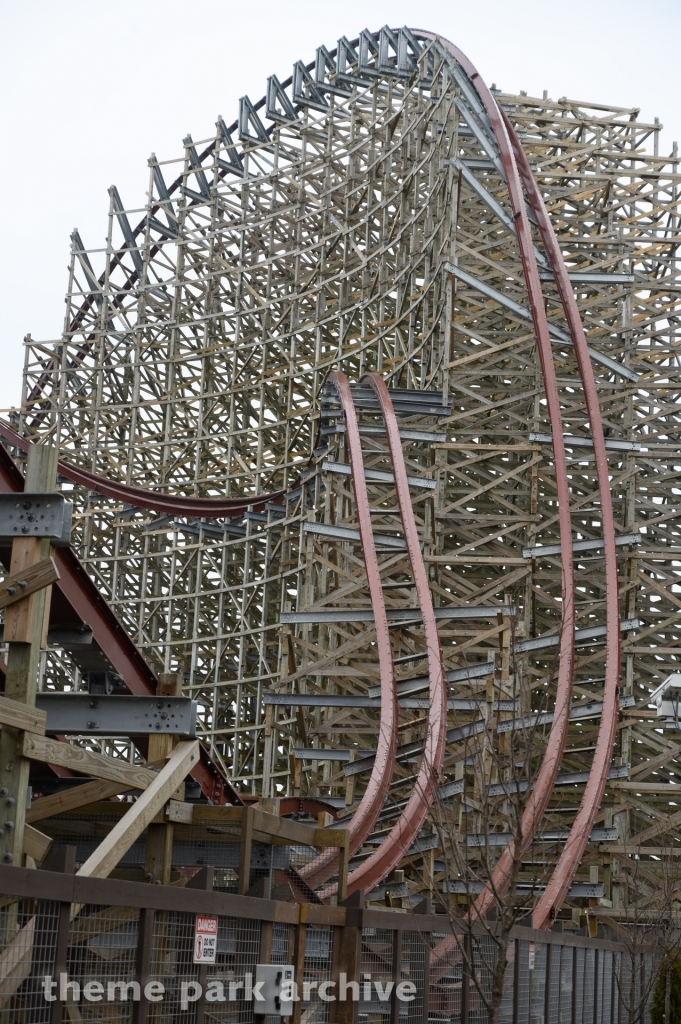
(375, 868)
(363, 820)
(544, 784)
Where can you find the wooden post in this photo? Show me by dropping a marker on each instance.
(349, 956)
(25, 628)
(396, 976)
(61, 859)
(203, 879)
(425, 907)
(466, 965)
(145, 935)
(343, 861)
(159, 853)
(299, 962)
(516, 981)
(245, 851)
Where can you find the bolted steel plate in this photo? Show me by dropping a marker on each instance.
(36, 515)
(86, 714)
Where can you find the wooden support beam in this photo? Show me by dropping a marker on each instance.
(42, 748)
(22, 716)
(25, 627)
(159, 852)
(299, 963)
(661, 788)
(28, 581)
(70, 799)
(36, 844)
(247, 819)
(269, 828)
(15, 961)
(131, 825)
(349, 956)
(343, 862)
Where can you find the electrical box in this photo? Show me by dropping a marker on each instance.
(277, 990)
(667, 701)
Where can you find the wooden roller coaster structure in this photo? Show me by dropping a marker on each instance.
(371, 423)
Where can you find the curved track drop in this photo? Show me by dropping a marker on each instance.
(548, 772)
(401, 836)
(364, 818)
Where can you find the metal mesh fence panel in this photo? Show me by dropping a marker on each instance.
(281, 943)
(579, 985)
(28, 940)
(537, 964)
(553, 978)
(101, 963)
(484, 957)
(650, 967)
(444, 993)
(506, 1008)
(617, 1017)
(238, 949)
(523, 975)
(172, 962)
(607, 986)
(624, 988)
(376, 966)
(316, 970)
(566, 970)
(589, 981)
(413, 970)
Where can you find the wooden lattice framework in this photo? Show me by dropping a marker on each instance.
(313, 235)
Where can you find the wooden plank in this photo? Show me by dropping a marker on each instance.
(337, 837)
(109, 892)
(281, 828)
(85, 928)
(36, 844)
(131, 825)
(179, 811)
(70, 799)
(22, 716)
(25, 632)
(651, 764)
(42, 748)
(15, 961)
(281, 831)
(248, 815)
(21, 584)
(663, 788)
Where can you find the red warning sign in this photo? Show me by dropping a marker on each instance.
(205, 939)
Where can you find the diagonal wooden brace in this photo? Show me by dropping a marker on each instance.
(31, 579)
(131, 825)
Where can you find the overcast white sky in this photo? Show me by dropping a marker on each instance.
(89, 88)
